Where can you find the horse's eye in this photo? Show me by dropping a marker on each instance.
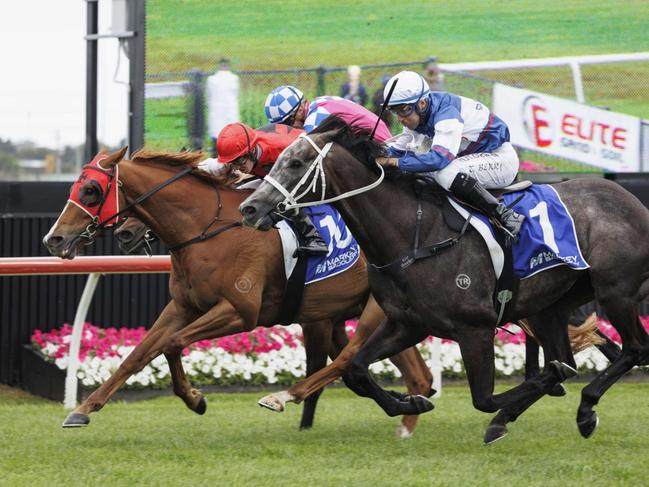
(295, 163)
(90, 194)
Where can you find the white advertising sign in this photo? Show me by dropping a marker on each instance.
(568, 129)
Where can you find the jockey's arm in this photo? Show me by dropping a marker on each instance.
(214, 167)
(444, 147)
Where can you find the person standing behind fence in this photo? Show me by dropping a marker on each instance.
(222, 101)
(354, 90)
(434, 76)
(287, 105)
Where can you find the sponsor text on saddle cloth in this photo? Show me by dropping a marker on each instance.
(343, 253)
(547, 238)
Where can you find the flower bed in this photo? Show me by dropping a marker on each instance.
(264, 356)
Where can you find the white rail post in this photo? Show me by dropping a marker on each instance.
(71, 382)
(577, 80)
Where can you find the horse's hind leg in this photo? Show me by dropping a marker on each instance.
(193, 398)
(370, 319)
(149, 348)
(623, 314)
(317, 343)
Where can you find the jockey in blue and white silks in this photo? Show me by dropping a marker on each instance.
(463, 146)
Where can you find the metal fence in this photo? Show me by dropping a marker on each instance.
(178, 119)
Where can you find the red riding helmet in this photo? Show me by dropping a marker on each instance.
(234, 141)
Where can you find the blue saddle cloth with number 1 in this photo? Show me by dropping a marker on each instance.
(547, 238)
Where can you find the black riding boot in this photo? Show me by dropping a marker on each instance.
(311, 243)
(470, 190)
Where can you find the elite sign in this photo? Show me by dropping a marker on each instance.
(568, 129)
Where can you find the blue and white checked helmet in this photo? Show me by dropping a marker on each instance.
(282, 102)
(410, 88)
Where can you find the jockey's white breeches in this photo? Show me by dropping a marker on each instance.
(495, 169)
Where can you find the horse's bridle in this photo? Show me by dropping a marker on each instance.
(290, 201)
(96, 225)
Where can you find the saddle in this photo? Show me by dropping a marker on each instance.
(456, 221)
(512, 188)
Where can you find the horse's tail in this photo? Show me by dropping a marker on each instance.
(584, 335)
(581, 336)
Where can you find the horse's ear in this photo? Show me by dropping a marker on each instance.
(115, 157)
(330, 134)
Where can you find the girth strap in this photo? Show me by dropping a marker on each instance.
(424, 252)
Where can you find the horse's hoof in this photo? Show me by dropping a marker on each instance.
(76, 420)
(201, 407)
(494, 433)
(557, 391)
(399, 396)
(403, 432)
(421, 404)
(271, 402)
(562, 371)
(588, 426)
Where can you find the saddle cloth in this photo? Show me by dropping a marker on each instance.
(547, 238)
(344, 251)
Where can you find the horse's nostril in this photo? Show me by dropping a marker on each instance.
(54, 241)
(248, 210)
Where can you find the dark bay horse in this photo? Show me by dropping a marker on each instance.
(422, 299)
(219, 286)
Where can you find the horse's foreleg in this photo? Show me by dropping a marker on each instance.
(388, 339)
(317, 344)
(221, 320)
(370, 319)
(193, 398)
(550, 328)
(149, 348)
(419, 381)
(477, 348)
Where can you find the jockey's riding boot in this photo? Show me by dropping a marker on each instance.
(470, 190)
(311, 243)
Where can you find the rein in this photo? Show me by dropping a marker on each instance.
(424, 252)
(290, 201)
(95, 225)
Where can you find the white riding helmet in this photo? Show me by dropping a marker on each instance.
(411, 87)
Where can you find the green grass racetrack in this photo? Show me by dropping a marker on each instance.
(160, 442)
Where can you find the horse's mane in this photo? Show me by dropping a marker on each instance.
(182, 160)
(355, 140)
(364, 149)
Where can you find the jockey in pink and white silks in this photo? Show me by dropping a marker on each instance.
(463, 146)
(287, 105)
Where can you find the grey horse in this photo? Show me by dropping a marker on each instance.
(423, 299)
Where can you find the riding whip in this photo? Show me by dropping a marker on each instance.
(385, 104)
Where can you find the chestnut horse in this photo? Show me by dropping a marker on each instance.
(219, 286)
(322, 339)
(333, 163)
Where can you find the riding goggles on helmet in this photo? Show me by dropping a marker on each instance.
(403, 110)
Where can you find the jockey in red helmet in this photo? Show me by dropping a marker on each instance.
(254, 152)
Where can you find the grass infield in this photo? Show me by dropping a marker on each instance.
(160, 442)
